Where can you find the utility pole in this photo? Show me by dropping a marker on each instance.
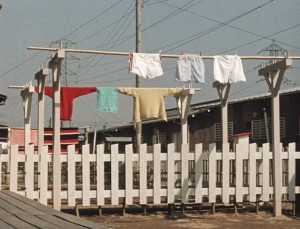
(138, 78)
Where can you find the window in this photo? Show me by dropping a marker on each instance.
(218, 131)
(258, 128)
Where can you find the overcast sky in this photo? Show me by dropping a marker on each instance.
(171, 27)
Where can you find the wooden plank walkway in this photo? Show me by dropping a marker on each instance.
(18, 212)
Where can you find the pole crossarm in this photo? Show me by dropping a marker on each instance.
(274, 75)
(162, 55)
(286, 63)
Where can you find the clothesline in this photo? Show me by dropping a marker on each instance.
(162, 55)
(107, 99)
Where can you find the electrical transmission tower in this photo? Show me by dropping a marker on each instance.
(273, 50)
(69, 60)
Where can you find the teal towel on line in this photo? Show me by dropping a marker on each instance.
(107, 99)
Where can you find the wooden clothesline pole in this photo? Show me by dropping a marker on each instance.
(162, 55)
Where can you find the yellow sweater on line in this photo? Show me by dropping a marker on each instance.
(149, 101)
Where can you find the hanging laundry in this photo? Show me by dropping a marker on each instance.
(190, 68)
(150, 101)
(228, 69)
(146, 65)
(107, 99)
(68, 94)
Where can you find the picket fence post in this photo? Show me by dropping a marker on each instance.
(291, 172)
(171, 173)
(86, 175)
(71, 176)
(128, 174)
(43, 177)
(100, 175)
(212, 174)
(258, 163)
(225, 175)
(29, 171)
(156, 174)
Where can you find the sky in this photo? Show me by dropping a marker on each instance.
(209, 27)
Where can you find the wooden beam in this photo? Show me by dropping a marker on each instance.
(223, 92)
(274, 75)
(40, 77)
(26, 94)
(162, 55)
(55, 64)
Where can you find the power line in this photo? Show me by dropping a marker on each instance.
(228, 25)
(205, 32)
(89, 21)
(19, 65)
(32, 57)
(111, 38)
(180, 9)
(102, 29)
(264, 37)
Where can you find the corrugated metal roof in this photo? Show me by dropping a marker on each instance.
(248, 98)
(173, 113)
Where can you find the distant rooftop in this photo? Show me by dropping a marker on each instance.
(214, 103)
(173, 113)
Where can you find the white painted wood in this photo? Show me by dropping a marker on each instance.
(266, 169)
(71, 176)
(244, 151)
(29, 169)
(13, 163)
(43, 177)
(1, 169)
(171, 174)
(143, 174)
(291, 171)
(239, 172)
(184, 173)
(223, 92)
(156, 174)
(274, 75)
(114, 175)
(40, 77)
(100, 175)
(55, 64)
(198, 172)
(225, 175)
(129, 174)
(27, 101)
(212, 173)
(85, 175)
(252, 172)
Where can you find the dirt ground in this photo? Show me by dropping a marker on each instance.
(226, 218)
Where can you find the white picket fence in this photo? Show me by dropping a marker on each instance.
(151, 178)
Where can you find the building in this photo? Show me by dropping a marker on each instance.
(246, 115)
